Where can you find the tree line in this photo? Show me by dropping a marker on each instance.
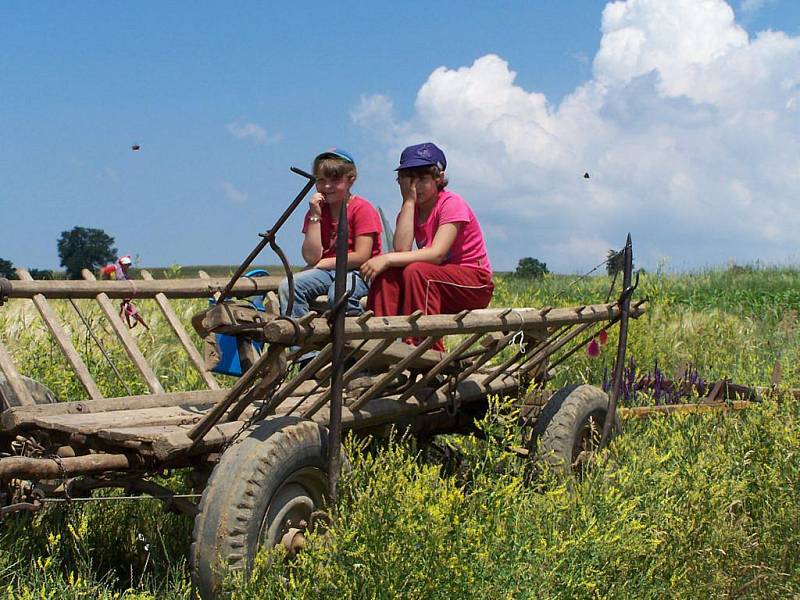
(79, 248)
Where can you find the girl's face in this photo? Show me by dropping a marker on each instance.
(426, 184)
(335, 190)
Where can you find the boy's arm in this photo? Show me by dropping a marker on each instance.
(356, 258)
(404, 230)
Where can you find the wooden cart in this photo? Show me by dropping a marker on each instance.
(271, 442)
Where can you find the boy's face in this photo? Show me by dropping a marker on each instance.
(334, 189)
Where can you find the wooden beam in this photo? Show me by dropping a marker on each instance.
(642, 412)
(125, 338)
(171, 288)
(183, 337)
(62, 339)
(483, 321)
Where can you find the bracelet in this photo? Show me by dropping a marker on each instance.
(314, 219)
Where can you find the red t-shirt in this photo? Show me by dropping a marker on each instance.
(469, 248)
(362, 219)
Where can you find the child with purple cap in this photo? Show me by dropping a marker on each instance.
(335, 171)
(450, 270)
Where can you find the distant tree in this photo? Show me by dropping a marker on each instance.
(615, 262)
(7, 269)
(531, 268)
(41, 273)
(85, 248)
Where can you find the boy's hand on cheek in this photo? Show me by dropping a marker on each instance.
(315, 204)
(408, 189)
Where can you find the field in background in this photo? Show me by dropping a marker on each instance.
(696, 506)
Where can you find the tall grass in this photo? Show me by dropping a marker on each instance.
(697, 506)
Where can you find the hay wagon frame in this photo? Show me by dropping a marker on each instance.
(272, 441)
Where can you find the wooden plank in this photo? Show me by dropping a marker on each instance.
(14, 379)
(171, 288)
(483, 321)
(125, 338)
(93, 423)
(183, 337)
(62, 339)
(171, 442)
(25, 416)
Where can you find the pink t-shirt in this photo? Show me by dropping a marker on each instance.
(469, 248)
(362, 219)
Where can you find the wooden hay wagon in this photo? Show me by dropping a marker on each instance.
(272, 441)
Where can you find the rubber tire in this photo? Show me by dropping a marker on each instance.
(564, 417)
(40, 392)
(237, 500)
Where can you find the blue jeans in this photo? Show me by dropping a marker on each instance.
(316, 282)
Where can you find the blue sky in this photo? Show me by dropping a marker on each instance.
(689, 147)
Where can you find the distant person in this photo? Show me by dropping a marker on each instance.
(450, 270)
(335, 171)
(119, 270)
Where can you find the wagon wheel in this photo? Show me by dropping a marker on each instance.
(567, 432)
(41, 393)
(267, 490)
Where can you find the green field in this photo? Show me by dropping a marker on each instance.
(698, 506)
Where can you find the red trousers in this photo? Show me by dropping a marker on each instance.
(433, 289)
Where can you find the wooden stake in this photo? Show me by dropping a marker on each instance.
(183, 337)
(62, 339)
(125, 338)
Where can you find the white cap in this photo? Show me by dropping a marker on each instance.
(125, 260)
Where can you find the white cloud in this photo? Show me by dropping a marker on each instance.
(233, 193)
(253, 131)
(753, 6)
(688, 128)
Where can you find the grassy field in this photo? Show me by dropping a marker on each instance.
(687, 507)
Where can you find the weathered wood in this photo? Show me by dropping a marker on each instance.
(125, 338)
(642, 412)
(536, 358)
(322, 358)
(386, 379)
(171, 442)
(449, 359)
(14, 379)
(47, 468)
(21, 417)
(171, 288)
(262, 365)
(91, 424)
(62, 339)
(393, 352)
(488, 354)
(183, 337)
(484, 321)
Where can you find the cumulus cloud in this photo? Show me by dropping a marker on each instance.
(233, 193)
(688, 127)
(251, 131)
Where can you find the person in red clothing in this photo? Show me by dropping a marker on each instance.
(335, 171)
(450, 270)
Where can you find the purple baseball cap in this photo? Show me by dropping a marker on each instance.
(422, 155)
(336, 153)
